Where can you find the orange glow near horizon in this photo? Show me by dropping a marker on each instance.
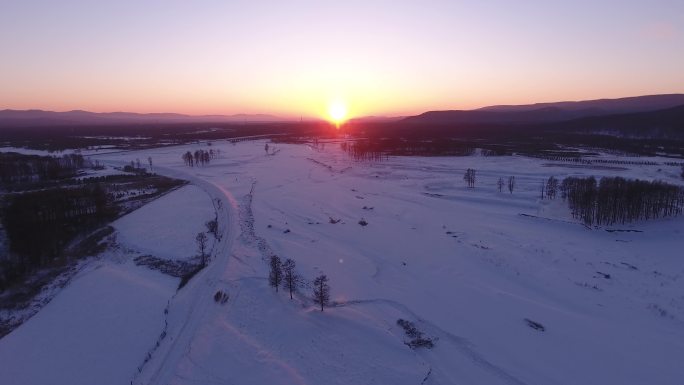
(292, 60)
(337, 112)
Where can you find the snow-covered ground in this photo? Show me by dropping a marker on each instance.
(99, 329)
(467, 266)
(163, 230)
(96, 331)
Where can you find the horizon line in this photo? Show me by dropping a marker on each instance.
(292, 117)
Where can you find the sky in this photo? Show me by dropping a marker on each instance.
(296, 58)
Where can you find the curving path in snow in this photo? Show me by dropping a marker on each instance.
(188, 307)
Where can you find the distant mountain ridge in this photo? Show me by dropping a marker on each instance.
(549, 112)
(660, 124)
(500, 115)
(25, 118)
(629, 104)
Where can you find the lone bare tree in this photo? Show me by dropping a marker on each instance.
(290, 277)
(275, 276)
(500, 183)
(321, 291)
(511, 184)
(201, 240)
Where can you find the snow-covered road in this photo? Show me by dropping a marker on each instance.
(188, 308)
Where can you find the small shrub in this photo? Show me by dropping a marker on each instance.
(417, 339)
(221, 297)
(421, 342)
(535, 325)
(212, 227)
(363, 222)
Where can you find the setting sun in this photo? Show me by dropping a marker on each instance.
(337, 111)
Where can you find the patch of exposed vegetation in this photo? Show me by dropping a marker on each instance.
(174, 268)
(535, 325)
(416, 338)
(221, 297)
(189, 275)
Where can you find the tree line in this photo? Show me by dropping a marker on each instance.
(380, 148)
(361, 150)
(579, 159)
(15, 168)
(618, 200)
(608, 201)
(39, 224)
(43, 220)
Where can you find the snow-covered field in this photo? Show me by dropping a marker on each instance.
(467, 266)
(167, 226)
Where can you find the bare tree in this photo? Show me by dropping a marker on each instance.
(275, 276)
(199, 157)
(149, 160)
(201, 240)
(321, 291)
(188, 159)
(551, 187)
(290, 277)
(500, 184)
(469, 177)
(511, 184)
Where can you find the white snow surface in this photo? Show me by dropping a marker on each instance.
(163, 230)
(463, 264)
(95, 331)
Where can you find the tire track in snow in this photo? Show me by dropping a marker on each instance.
(197, 297)
(189, 305)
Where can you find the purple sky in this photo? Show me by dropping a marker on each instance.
(296, 57)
